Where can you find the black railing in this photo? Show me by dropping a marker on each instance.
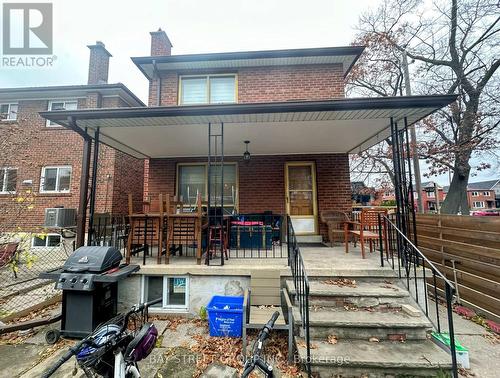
(256, 236)
(402, 255)
(301, 284)
(110, 230)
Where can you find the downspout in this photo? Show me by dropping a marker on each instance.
(158, 87)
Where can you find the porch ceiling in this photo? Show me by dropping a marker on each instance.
(343, 125)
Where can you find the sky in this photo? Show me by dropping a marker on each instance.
(193, 26)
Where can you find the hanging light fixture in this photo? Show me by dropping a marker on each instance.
(246, 154)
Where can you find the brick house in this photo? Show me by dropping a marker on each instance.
(482, 194)
(289, 105)
(44, 158)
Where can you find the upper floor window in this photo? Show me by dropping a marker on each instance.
(61, 105)
(475, 194)
(431, 194)
(486, 193)
(8, 112)
(207, 89)
(8, 180)
(55, 179)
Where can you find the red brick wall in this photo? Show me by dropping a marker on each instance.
(262, 181)
(489, 200)
(28, 145)
(266, 84)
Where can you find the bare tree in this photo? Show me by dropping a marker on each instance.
(455, 47)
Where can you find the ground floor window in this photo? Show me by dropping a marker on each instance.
(478, 204)
(49, 240)
(193, 179)
(174, 291)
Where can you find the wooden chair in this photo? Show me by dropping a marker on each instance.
(335, 221)
(264, 297)
(185, 229)
(367, 229)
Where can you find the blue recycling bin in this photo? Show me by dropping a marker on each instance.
(225, 316)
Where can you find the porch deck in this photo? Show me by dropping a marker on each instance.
(320, 261)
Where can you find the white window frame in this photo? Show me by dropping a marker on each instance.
(431, 194)
(3, 171)
(481, 205)
(475, 194)
(207, 77)
(487, 194)
(42, 178)
(46, 241)
(164, 307)
(10, 104)
(51, 124)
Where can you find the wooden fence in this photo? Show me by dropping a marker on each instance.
(467, 250)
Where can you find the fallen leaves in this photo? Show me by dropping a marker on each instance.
(332, 339)
(341, 282)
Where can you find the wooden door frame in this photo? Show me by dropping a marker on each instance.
(311, 164)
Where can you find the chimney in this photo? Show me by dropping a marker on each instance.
(160, 44)
(98, 64)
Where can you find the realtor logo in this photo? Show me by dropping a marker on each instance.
(27, 28)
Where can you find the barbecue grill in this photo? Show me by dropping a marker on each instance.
(89, 281)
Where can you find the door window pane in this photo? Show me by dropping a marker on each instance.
(301, 203)
(222, 89)
(300, 178)
(194, 91)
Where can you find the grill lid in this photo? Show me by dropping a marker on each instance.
(93, 259)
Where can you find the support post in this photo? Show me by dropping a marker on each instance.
(95, 163)
(413, 135)
(84, 187)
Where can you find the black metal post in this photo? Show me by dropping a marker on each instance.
(380, 240)
(412, 198)
(449, 298)
(209, 180)
(84, 187)
(95, 163)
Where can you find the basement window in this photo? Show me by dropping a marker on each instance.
(174, 291)
(49, 240)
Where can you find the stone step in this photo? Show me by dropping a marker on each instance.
(363, 295)
(362, 324)
(355, 358)
(308, 239)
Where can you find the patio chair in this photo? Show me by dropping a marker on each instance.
(367, 229)
(264, 297)
(335, 220)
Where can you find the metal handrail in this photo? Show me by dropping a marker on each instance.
(301, 284)
(416, 258)
(441, 275)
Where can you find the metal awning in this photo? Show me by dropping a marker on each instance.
(307, 127)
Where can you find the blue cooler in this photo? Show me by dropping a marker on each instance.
(225, 316)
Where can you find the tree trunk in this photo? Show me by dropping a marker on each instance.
(456, 199)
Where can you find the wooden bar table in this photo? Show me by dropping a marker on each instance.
(184, 229)
(140, 229)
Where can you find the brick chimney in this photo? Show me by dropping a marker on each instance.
(98, 64)
(160, 44)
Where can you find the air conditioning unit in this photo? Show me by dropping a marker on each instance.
(60, 217)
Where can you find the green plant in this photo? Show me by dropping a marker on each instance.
(203, 313)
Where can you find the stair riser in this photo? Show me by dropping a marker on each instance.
(364, 333)
(332, 371)
(380, 303)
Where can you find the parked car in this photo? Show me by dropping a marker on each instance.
(486, 213)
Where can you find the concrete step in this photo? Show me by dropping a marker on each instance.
(308, 239)
(355, 358)
(362, 324)
(370, 294)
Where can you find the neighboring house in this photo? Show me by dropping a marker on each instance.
(44, 158)
(483, 194)
(362, 194)
(429, 200)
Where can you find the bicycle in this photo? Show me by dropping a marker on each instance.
(257, 360)
(112, 350)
